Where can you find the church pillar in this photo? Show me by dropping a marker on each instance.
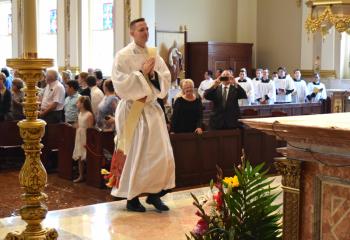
(307, 53)
(68, 35)
(33, 176)
(17, 28)
(290, 171)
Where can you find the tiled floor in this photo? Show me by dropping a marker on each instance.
(111, 221)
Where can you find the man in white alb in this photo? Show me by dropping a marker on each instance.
(247, 85)
(301, 90)
(266, 89)
(149, 166)
(317, 90)
(284, 86)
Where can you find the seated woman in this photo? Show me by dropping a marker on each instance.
(17, 99)
(5, 99)
(187, 111)
(106, 108)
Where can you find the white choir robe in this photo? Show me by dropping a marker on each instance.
(300, 92)
(320, 95)
(249, 90)
(285, 84)
(267, 89)
(255, 83)
(205, 84)
(149, 165)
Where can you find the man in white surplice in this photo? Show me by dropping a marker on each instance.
(149, 166)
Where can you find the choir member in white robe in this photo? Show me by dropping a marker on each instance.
(317, 90)
(256, 80)
(266, 89)
(284, 86)
(205, 84)
(300, 90)
(247, 85)
(149, 166)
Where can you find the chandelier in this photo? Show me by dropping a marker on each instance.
(324, 14)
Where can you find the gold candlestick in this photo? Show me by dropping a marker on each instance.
(33, 176)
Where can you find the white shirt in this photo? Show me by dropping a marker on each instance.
(205, 84)
(300, 91)
(255, 83)
(53, 92)
(223, 90)
(247, 85)
(267, 89)
(284, 84)
(96, 97)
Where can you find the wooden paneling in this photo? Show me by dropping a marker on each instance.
(205, 56)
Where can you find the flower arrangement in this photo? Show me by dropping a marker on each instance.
(241, 207)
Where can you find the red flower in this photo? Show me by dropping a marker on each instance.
(218, 199)
(201, 227)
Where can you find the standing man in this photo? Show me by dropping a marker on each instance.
(301, 90)
(317, 90)
(266, 90)
(247, 85)
(284, 86)
(225, 99)
(52, 103)
(149, 165)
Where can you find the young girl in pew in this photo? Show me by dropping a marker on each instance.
(85, 121)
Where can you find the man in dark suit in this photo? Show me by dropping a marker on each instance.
(225, 97)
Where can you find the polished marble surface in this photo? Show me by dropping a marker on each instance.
(111, 220)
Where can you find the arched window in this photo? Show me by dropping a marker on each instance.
(47, 29)
(97, 35)
(5, 31)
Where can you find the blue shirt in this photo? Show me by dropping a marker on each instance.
(70, 108)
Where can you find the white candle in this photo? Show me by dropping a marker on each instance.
(29, 29)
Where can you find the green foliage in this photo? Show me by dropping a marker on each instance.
(246, 212)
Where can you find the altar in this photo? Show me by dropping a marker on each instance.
(315, 173)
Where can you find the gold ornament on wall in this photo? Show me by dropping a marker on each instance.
(326, 14)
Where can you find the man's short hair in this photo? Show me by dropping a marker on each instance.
(83, 75)
(5, 71)
(73, 84)
(220, 70)
(210, 73)
(282, 68)
(295, 70)
(133, 22)
(91, 81)
(98, 74)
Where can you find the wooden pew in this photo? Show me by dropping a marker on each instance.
(51, 140)
(10, 144)
(65, 152)
(196, 156)
(95, 160)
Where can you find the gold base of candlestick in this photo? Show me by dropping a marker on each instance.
(33, 176)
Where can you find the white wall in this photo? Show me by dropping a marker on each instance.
(279, 34)
(247, 24)
(148, 9)
(206, 20)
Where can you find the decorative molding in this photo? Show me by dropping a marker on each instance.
(323, 73)
(290, 171)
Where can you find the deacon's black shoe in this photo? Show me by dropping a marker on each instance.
(154, 200)
(135, 205)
